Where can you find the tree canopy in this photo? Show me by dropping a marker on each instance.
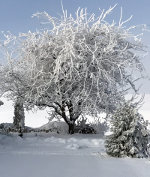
(79, 65)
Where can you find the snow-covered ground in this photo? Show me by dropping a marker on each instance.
(64, 156)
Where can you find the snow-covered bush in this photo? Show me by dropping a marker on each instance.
(82, 121)
(82, 126)
(130, 135)
(5, 128)
(99, 126)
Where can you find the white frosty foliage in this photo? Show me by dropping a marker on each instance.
(130, 134)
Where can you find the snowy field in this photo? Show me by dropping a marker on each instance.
(64, 156)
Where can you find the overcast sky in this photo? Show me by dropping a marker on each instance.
(15, 16)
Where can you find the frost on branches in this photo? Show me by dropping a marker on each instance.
(80, 65)
(130, 135)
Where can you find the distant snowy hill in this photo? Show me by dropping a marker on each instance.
(55, 126)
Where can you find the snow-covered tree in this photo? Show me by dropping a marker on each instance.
(14, 79)
(13, 85)
(80, 64)
(130, 134)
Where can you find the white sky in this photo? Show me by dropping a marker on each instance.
(32, 119)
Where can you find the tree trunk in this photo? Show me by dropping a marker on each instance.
(19, 115)
(1, 103)
(72, 117)
(71, 128)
